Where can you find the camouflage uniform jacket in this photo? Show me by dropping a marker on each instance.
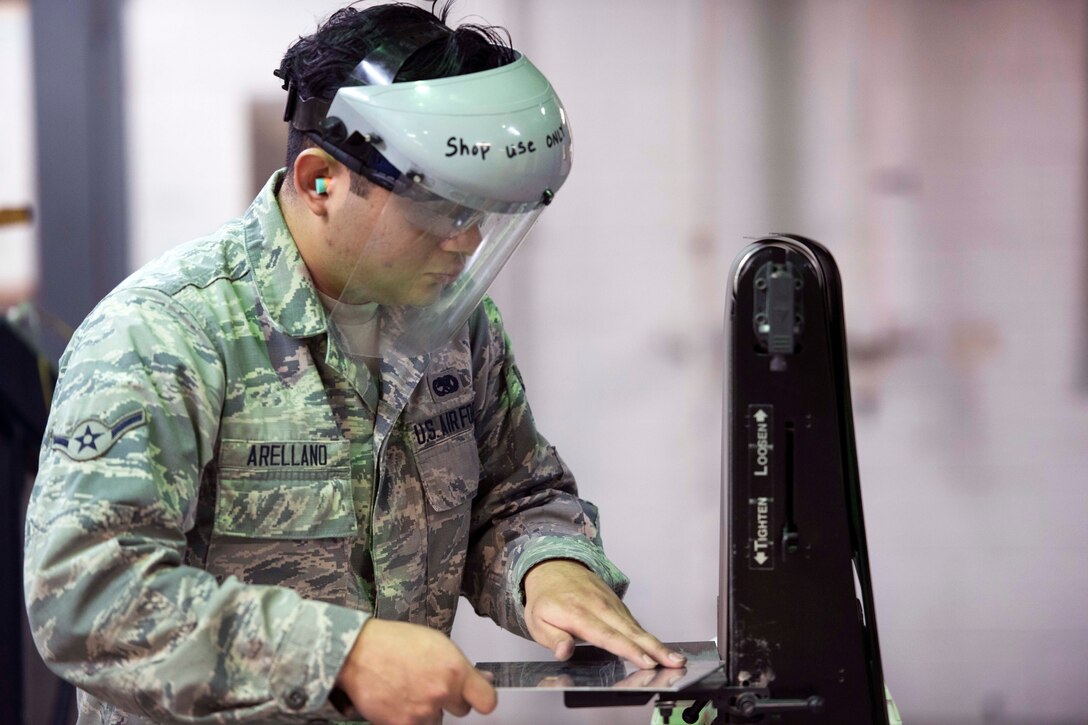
(224, 497)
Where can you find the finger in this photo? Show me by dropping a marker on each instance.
(478, 692)
(651, 645)
(612, 611)
(633, 643)
(597, 632)
(554, 638)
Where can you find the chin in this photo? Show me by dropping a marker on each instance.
(425, 294)
(422, 300)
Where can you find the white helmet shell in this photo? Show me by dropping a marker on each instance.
(496, 140)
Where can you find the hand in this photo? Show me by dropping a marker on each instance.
(564, 600)
(405, 673)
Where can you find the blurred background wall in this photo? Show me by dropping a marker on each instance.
(937, 147)
(17, 271)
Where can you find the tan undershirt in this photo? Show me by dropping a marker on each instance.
(358, 324)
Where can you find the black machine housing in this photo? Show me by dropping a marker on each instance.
(796, 607)
(797, 633)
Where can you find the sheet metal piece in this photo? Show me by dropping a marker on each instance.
(593, 670)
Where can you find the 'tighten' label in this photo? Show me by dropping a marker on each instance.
(761, 487)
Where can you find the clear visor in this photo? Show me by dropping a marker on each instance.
(423, 268)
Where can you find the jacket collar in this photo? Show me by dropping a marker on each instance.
(292, 304)
(282, 280)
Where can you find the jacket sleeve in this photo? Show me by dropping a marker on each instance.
(527, 509)
(112, 606)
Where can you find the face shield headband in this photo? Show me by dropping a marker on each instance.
(355, 150)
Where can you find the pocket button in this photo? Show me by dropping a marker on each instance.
(296, 699)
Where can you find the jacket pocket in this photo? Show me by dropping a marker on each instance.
(449, 471)
(292, 490)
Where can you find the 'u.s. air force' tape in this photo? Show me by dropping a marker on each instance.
(91, 438)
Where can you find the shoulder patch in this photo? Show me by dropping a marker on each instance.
(91, 438)
(446, 383)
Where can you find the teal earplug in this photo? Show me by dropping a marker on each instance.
(321, 185)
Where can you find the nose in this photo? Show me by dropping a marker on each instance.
(464, 242)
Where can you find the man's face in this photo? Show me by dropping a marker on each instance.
(396, 262)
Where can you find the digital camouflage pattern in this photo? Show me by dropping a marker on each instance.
(209, 530)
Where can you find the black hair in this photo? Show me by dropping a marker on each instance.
(317, 65)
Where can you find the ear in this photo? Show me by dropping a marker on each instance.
(313, 176)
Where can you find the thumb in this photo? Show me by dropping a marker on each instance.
(478, 692)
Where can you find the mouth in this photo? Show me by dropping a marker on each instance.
(444, 277)
(450, 273)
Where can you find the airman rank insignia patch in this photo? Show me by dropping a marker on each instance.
(91, 438)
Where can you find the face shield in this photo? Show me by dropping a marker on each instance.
(424, 267)
(462, 167)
